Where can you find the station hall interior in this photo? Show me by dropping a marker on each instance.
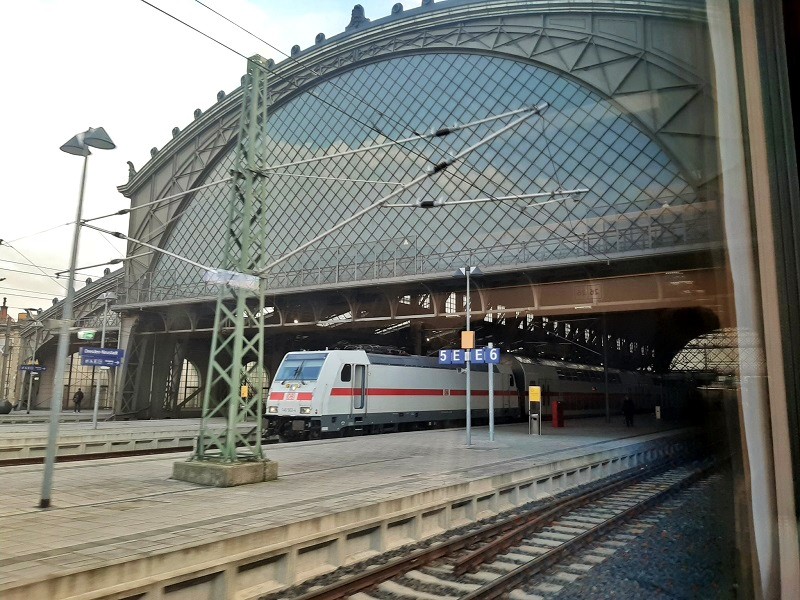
(601, 189)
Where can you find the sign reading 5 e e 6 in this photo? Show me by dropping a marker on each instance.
(490, 356)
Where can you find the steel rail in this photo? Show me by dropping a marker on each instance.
(419, 558)
(505, 583)
(513, 537)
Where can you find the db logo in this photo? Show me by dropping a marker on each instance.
(291, 396)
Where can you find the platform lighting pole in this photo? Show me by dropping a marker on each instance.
(106, 298)
(460, 273)
(38, 325)
(6, 351)
(491, 398)
(79, 146)
(605, 370)
(34, 377)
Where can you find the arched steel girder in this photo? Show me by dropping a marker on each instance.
(647, 60)
(656, 313)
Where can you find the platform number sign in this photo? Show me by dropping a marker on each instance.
(490, 356)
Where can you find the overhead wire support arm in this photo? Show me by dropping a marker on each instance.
(125, 211)
(122, 236)
(441, 132)
(555, 195)
(430, 172)
(113, 261)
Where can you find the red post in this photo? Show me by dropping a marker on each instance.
(558, 414)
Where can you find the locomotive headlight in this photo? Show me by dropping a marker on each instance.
(272, 409)
(305, 410)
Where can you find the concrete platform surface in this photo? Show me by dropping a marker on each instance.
(110, 518)
(43, 416)
(79, 438)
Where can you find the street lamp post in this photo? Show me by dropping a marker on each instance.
(460, 273)
(79, 146)
(33, 378)
(38, 325)
(6, 352)
(106, 298)
(33, 317)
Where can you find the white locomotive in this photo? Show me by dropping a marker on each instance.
(341, 392)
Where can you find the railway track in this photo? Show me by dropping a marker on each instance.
(499, 560)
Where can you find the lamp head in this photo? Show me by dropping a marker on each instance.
(96, 137)
(76, 146)
(473, 272)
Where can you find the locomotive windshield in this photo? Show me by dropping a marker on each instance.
(300, 368)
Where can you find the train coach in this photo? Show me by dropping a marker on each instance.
(581, 389)
(329, 393)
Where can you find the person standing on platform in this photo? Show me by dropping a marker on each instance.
(77, 399)
(628, 409)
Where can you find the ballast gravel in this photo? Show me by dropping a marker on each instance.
(687, 553)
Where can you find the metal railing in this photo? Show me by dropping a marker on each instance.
(617, 236)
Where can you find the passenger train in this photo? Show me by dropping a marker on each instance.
(345, 392)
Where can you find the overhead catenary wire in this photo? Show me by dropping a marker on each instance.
(16, 262)
(122, 236)
(371, 127)
(348, 114)
(436, 169)
(31, 273)
(213, 39)
(566, 339)
(175, 196)
(359, 99)
(28, 293)
(107, 241)
(512, 198)
(441, 132)
(113, 261)
(267, 171)
(551, 230)
(320, 177)
(29, 235)
(31, 263)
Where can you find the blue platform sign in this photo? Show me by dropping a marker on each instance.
(489, 356)
(33, 368)
(101, 357)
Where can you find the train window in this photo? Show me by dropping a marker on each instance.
(298, 368)
(347, 373)
(359, 388)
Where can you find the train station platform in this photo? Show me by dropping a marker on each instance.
(17, 417)
(122, 528)
(27, 440)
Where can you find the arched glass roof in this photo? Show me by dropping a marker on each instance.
(638, 200)
(722, 352)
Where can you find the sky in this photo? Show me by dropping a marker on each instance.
(122, 65)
